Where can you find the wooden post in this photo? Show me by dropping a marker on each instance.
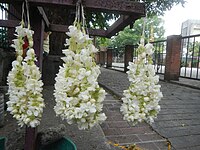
(97, 58)
(173, 59)
(16, 11)
(37, 25)
(30, 138)
(128, 56)
(109, 58)
(102, 58)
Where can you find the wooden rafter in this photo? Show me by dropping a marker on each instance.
(120, 24)
(9, 23)
(53, 27)
(129, 10)
(64, 28)
(113, 6)
(42, 13)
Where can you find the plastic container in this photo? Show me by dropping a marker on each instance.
(2, 143)
(62, 144)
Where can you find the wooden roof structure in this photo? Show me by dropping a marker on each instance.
(129, 11)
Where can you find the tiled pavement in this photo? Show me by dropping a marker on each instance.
(121, 132)
(178, 121)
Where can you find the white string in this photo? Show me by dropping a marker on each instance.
(83, 16)
(22, 13)
(77, 18)
(27, 11)
(144, 25)
(142, 40)
(84, 20)
(80, 16)
(24, 17)
(76, 15)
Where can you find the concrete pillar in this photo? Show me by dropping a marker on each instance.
(102, 58)
(109, 58)
(128, 56)
(173, 58)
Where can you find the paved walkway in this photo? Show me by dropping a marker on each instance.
(93, 139)
(121, 132)
(179, 119)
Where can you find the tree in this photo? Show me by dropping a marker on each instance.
(194, 49)
(153, 7)
(154, 31)
(158, 7)
(98, 19)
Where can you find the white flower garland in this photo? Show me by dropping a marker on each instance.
(77, 93)
(25, 99)
(141, 99)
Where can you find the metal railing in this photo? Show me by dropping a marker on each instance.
(4, 40)
(118, 58)
(190, 57)
(159, 56)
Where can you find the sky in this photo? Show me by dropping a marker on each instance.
(178, 14)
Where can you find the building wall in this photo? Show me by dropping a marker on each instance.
(190, 27)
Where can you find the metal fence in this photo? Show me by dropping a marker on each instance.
(159, 56)
(118, 58)
(4, 40)
(190, 57)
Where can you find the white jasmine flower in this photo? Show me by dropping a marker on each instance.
(25, 87)
(77, 93)
(140, 101)
(149, 48)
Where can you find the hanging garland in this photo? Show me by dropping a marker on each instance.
(140, 101)
(24, 80)
(77, 93)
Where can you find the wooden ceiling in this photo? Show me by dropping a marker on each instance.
(129, 11)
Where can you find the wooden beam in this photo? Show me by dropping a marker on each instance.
(53, 27)
(114, 6)
(44, 16)
(14, 12)
(97, 32)
(43, 2)
(120, 24)
(64, 28)
(9, 23)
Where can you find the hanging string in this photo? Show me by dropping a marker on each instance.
(77, 18)
(25, 16)
(84, 20)
(80, 19)
(22, 14)
(27, 13)
(83, 16)
(142, 40)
